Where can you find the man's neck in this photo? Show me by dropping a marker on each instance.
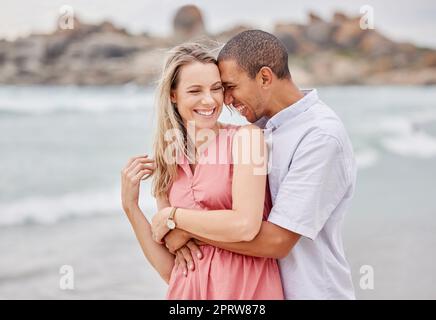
(287, 94)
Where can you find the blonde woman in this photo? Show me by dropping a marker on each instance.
(200, 187)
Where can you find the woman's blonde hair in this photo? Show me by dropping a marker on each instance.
(168, 117)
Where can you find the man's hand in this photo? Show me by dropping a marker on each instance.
(184, 256)
(176, 239)
(199, 242)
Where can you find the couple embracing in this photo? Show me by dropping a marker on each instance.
(232, 226)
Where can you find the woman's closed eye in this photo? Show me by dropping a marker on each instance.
(198, 91)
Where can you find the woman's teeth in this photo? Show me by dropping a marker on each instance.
(205, 112)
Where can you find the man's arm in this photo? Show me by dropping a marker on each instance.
(272, 241)
(321, 161)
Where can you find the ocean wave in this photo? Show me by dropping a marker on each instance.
(52, 209)
(417, 144)
(398, 125)
(366, 158)
(425, 116)
(395, 124)
(403, 135)
(52, 100)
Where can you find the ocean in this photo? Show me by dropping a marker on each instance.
(62, 150)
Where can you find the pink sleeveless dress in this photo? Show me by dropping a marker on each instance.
(220, 274)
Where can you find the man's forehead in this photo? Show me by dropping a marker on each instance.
(229, 70)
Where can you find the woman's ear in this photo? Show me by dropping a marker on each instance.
(173, 96)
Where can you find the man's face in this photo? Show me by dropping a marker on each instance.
(242, 92)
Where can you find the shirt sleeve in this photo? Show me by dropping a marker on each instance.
(316, 182)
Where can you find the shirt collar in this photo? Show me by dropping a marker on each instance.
(261, 122)
(290, 112)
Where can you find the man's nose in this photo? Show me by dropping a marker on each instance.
(228, 98)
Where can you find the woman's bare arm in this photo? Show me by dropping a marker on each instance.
(157, 254)
(243, 222)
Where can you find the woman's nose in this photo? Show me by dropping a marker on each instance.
(207, 99)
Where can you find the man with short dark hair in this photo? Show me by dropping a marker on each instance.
(254, 49)
(313, 172)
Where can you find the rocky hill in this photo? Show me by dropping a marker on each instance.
(321, 53)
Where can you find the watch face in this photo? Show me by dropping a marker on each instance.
(171, 224)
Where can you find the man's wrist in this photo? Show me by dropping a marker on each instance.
(186, 234)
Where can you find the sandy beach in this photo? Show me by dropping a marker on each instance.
(106, 259)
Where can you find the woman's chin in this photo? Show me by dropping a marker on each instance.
(205, 123)
(210, 124)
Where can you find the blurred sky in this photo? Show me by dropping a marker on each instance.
(403, 20)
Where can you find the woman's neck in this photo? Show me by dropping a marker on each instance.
(200, 138)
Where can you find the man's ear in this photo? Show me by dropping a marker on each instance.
(265, 76)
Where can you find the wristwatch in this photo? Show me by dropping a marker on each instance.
(171, 224)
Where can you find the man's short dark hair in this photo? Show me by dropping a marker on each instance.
(254, 49)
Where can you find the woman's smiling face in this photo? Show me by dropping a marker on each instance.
(199, 94)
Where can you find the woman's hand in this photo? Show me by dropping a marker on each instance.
(137, 169)
(159, 224)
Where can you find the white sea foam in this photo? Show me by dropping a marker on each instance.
(51, 209)
(37, 100)
(402, 135)
(417, 144)
(366, 158)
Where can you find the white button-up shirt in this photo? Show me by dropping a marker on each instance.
(312, 179)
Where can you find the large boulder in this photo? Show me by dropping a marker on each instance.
(291, 35)
(348, 32)
(318, 31)
(188, 22)
(374, 44)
